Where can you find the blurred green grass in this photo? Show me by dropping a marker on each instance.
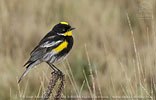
(102, 26)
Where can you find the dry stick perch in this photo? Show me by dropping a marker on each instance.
(52, 83)
(60, 88)
(54, 78)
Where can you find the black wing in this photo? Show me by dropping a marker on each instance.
(44, 46)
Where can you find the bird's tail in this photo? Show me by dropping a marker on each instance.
(28, 67)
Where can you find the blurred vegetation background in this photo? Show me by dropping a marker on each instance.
(114, 51)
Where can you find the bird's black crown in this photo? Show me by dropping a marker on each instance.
(62, 27)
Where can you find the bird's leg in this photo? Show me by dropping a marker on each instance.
(59, 71)
(51, 66)
(56, 70)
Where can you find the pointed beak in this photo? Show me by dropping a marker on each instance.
(72, 28)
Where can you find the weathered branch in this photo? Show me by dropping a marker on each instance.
(60, 88)
(54, 78)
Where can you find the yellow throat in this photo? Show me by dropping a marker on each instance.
(69, 33)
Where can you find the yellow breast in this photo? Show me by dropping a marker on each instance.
(61, 46)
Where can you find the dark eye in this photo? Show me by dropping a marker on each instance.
(63, 30)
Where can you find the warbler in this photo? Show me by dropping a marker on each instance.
(52, 49)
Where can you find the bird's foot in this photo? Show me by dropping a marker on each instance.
(60, 73)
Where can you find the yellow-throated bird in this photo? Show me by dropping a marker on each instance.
(53, 48)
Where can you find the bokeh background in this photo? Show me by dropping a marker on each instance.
(114, 52)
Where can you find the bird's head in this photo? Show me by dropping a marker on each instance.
(63, 28)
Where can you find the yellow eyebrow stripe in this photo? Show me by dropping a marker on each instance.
(64, 23)
(61, 46)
